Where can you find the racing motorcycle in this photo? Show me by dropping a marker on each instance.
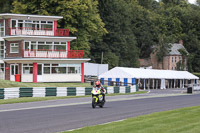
(97, 98)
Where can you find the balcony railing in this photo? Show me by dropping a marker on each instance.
(61, 32)
(40, 53)
(38, 31)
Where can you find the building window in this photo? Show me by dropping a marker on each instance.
(172, 68)
(13, 23)
(42, 46)
(62, 68)
(175, 59)
(179, 57)
(175, 68)
(60, 47)
(2, 28)
(74, 69)
(58, 70)
(172, 61)
(36, 25)
(26, 46)
(27, 68)
(47, 68)
(1, 49)
(71, 69)
(14, 48)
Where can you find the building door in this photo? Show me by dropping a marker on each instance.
(39, 72)
(14, 69)
(13, 23)
(2, 71)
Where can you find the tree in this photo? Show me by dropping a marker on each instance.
(162, 49)
(144, 28)
(6, 6)
(80, 16)
(198, 2)
(148, 4)
(181, 65)
(175, 2)
(120, 40)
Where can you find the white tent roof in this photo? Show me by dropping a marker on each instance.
(124, 72)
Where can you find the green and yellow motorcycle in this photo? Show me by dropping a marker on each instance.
(97, 98)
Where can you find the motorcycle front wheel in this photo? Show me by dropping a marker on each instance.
(93, 102)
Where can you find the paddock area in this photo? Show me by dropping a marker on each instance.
(149, 78)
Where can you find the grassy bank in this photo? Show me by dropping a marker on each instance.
(7, 84)
(35, 99)
(184, 120)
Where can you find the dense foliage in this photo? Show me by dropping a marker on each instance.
(119, 32)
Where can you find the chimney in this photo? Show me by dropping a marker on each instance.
(181, 42)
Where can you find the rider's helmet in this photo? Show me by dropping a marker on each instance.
(98, 84)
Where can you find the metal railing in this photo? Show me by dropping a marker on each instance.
(38, 31)
(42, 53)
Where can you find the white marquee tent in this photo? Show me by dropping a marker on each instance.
(137, 73)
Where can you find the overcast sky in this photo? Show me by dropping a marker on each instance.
(191, 1)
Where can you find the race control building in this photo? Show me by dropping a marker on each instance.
(33, 49)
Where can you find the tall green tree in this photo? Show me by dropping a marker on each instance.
(120, 41)
(144, 27)
(6, 6)
(198, 2)
(175, 2)
(80, 16)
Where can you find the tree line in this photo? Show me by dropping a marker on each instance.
(122, 30)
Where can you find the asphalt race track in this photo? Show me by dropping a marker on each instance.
(62, 115)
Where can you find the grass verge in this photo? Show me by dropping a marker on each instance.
(185, 120)
(7, 84)
(35, 99)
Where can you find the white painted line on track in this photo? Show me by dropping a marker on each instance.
(81, 103)
(49, 106)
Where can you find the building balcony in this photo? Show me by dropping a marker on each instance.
(40, 53)
(38, 31)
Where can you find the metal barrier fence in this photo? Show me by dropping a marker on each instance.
(196, 87)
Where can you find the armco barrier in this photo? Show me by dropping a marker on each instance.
(122, 89)
(1, 93)
(25, 92)
(128, 89)
(11, 93)
(71, 91)
(50, 91)
(116, 89)
(80, 91)
(39, 92)
(7, 93)
(61, 91)
(88, 91)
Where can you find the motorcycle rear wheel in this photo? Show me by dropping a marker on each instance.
(102, 104)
